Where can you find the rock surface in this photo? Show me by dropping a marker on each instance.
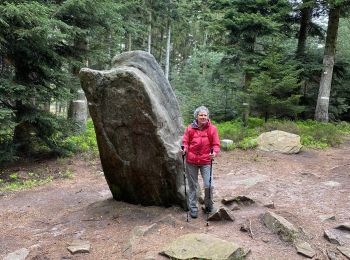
(280, 226)
(202, 246)
(226, 143)
(221, 214)
(305, 249)
(345, 251)
(138, 127)
(20, 254)
(336, 236)
(78, 246)
(279, 141)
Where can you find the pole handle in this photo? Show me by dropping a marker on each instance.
(211, 150)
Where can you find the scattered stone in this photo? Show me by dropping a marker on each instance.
(225, 215)
(214, 216)
(279, 141)
(140, 231)
(19, 254)
(332, 255)
(327, 217)
(280, 226)
(344, 226)
(221, 214)
(235, 206)
(344, 250)
(135, 87)
(267, 203)
(331, 183)
(79, 246)
(305, 249)
(202, 246)
(333, 236)
(265, 240)
(226, 144)
(240, 200)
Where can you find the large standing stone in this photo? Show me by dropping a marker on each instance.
(279, 141)
(138, 127)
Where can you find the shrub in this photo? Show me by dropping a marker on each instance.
(83, 142)
(313, 134)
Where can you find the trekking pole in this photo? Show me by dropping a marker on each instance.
(183, 164)
(211, 170)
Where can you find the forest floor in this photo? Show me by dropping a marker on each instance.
(304, 188)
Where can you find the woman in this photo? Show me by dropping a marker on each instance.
(199, 139)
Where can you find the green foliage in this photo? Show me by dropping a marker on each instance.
(275, 91)
(68, 174)
(84, 142)
(320, 135)
(194, 85)
(241, 136)
(313, 134)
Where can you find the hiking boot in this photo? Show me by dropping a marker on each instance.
(209, 209)
(194, 214)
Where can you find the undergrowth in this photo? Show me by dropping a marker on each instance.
(312, 134)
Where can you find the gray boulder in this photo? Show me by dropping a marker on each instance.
(203, 246)
(138, 127)
(279, 141)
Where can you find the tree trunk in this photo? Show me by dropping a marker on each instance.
(78, 110)
(167, 57)
(129, 42)
(321, 113)
(305, 20)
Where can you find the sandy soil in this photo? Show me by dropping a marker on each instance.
(303, 188)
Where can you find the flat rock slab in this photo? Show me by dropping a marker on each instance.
(77, 247)
(20, 254)
(331, 183)
(305, 249)
(344, 226)
(345, 251)
(327, 217)
(203, 246)
(280, 226)
(337, 236)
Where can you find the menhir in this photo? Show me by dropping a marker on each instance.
(138, 126)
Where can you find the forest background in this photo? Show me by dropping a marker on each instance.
(257, 65)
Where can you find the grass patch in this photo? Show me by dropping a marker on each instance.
(23, 184)
(312, 134)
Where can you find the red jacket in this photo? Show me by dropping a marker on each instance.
(198, 142)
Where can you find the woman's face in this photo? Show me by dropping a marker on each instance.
(202, 118)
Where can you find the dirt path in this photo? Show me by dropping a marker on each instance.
(303, 187)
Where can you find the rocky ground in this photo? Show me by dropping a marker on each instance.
(309, 189)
